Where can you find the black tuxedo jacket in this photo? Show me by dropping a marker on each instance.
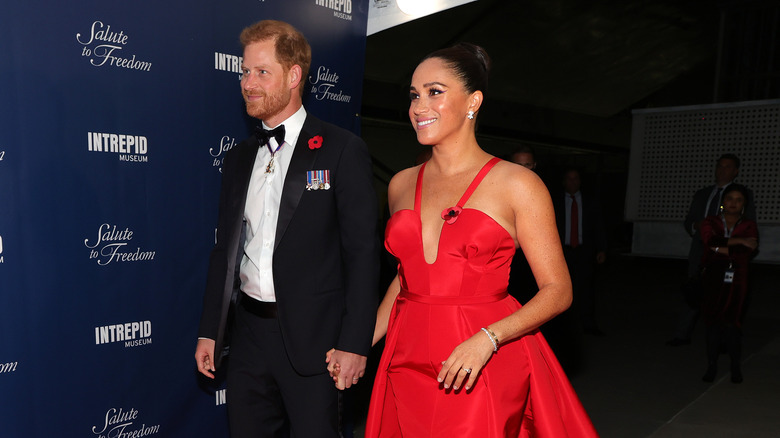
(325, 261)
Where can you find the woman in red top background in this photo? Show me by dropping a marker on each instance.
(730, 241)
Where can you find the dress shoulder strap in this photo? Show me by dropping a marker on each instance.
(418, 189)
(477, 179)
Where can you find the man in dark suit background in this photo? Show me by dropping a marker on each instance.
(294, 270)
(583, 236)
(706, 202)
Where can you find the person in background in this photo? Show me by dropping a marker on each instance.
(524, 155)
(706, 202)
(729, 240)
(582, 232)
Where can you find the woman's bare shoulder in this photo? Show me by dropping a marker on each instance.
(401, 185)
(404, 177)
(517, 179)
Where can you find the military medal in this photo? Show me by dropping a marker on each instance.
(310, 180)
(318, 180)
(270, 167)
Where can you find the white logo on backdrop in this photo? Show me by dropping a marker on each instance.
(133, 334)
(110, 246)
(120, 423)
(226, 143)
(220, 396)
(131, 148)
(341, 8)
(104, 46)
(8, 367)
(324, 86)
(227, 62)
(1, 250)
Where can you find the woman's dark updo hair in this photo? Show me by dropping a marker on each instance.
(470, 63)
(736, 188)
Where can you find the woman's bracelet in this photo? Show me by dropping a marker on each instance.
(493, 338)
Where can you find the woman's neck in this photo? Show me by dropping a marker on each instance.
(452, 159)
(731, 218)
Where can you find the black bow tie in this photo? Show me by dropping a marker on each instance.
(263, 135)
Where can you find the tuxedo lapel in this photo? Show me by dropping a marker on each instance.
(244, 163)
(295, 181)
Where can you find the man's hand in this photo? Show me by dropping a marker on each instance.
(204, 357)
(346, 368)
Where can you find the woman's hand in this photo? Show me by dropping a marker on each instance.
(333, 368)
(466, 361)
(750, 242)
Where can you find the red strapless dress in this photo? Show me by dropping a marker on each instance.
(522, 390)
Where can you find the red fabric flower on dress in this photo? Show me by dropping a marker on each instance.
(315, 142)
(451, 214)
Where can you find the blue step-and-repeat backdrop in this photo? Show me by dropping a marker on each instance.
(114, 120)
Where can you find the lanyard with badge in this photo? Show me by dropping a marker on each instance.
(728, 276)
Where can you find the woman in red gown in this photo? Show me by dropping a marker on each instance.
(730, 241)
(462, 358)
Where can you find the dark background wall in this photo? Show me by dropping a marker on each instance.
(568, 74)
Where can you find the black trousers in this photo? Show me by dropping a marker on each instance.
(265, 396)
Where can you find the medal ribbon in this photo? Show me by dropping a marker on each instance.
(270, 167)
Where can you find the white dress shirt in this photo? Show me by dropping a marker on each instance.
(262, 211)
(712, 197)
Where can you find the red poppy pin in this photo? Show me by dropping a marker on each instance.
(315, 142)
(450, 215)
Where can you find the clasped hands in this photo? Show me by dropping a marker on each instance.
(464, 364)
(345, 368)
(749, 242)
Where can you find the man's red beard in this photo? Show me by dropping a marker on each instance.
(268, 106)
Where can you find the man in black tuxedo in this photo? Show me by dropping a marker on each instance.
(583, 236)
(706, 202)
(294, 270)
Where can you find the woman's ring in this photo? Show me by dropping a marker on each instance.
(467, 370)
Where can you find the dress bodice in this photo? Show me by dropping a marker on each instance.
(474, 253)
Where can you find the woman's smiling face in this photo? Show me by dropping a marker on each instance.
(439, 103)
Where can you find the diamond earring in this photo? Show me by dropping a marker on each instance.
(470, 115)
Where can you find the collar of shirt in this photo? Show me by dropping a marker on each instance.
(724, 186)
(292, 126)
(292, 130)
